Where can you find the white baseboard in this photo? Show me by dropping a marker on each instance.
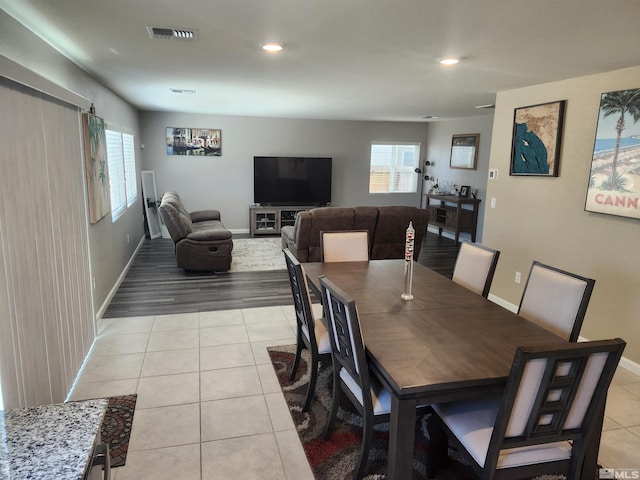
(625, 363)
(503, 303)
(450, 235)
(445, 233)
(115, 287)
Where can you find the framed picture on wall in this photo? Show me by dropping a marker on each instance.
(537, 132)
(614, 181)
(96, 166)
(194, 141)
(464, 151)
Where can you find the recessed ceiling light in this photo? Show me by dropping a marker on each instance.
(430, 117)
(272, 47)
(449, 61)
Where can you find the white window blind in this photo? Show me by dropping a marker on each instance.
(392, 168)
(115, 159)
(131, 182)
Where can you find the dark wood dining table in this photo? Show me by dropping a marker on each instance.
(445, 344)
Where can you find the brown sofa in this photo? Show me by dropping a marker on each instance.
(386, 225)
(201, 240)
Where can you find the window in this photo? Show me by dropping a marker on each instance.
(392, 168)
(129, 168)
(122, 172)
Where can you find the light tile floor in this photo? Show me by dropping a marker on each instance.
(210, 407)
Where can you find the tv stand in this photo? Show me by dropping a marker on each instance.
(269, 220)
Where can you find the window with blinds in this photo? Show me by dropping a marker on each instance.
(122, 172)
(392, 168)
(131, 183)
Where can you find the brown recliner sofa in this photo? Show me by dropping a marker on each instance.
(202, 242)
(386, 225)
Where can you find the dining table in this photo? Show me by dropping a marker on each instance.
(445, 344)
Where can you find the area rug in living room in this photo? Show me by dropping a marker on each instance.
(335, 459)
(257, 254)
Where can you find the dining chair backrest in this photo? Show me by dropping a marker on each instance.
(347, 345)
(556, 300)
(300, 291)
(475, 267)
(553, 395)
(345, 246)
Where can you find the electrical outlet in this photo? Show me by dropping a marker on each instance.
(493, 202)
(127, 238)
(518, 277)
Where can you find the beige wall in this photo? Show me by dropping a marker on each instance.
(544, 218)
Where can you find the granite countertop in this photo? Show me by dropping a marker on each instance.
(49, 441)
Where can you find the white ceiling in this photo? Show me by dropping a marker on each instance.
(342, 59)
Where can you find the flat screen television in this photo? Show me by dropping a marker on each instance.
(292, 180)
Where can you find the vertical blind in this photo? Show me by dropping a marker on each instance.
(46, 314)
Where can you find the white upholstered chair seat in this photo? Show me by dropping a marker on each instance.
(380, 396)
(322, 336)
(472, 424)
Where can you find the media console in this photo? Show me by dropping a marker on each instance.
(269, 220)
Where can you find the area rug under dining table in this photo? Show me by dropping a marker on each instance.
(335, 458)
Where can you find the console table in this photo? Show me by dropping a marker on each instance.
(449, 212)
(269, 220)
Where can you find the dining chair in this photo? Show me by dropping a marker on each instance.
(556, 300)
(475, 267)
(547, 417)
(311, 332)
(345, 246)
(351, 374)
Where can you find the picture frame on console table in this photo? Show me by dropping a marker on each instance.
(194, 141)
(614, 180)
(537, 134)
(465, 190)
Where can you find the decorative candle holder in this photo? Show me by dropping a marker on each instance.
(408, 263)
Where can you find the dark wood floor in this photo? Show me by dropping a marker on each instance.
(154, 284)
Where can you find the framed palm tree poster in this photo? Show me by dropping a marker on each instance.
(614, 181)
(96, 167)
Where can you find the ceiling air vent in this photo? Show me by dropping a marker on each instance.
(183, 91)
(184, 34)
